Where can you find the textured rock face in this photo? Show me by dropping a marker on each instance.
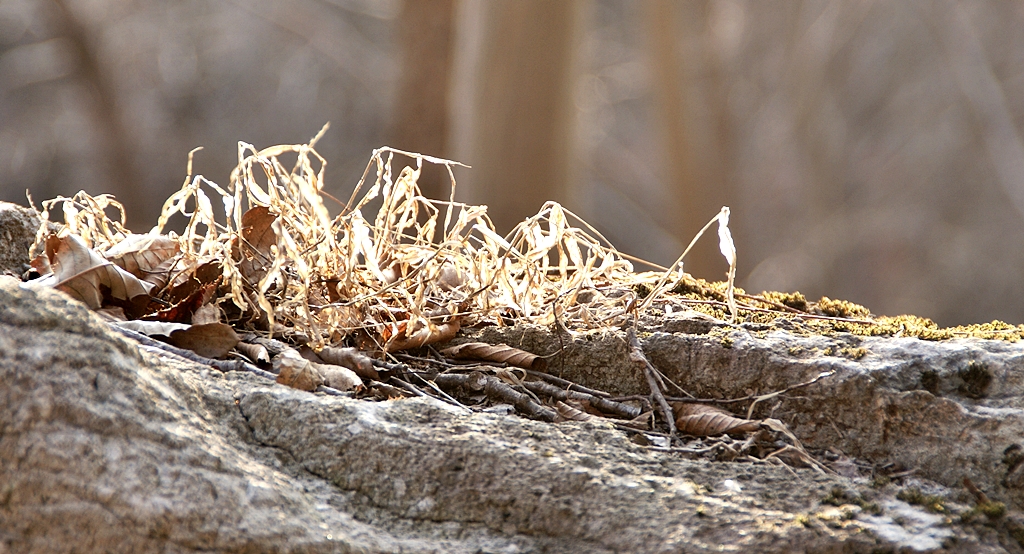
(18, 227)
(106, 447)
(948, 409)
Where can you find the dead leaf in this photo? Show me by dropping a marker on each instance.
(161, 274)
(702, 420)
(212, 340)
(254, 248)
(86, 276)
(568, 413)
(189, 276)
(496, 353)
(41, 264)
(296, 372)
(153, 328)
(255, 352)
(352, 359)
(207, 313)
(428, 334)
(185, 310)
(337, 377)
(142, 255)
(642, 421)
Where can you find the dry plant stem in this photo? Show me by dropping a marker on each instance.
(624, 427)
(222, 365)
(397, 368)
(778, 306)
(645, 400)
(496, 390)
(448, 398)
(603, 404)
(409, 387)
(980, 497)
(636, 353)
(801, 455)
(567, 384)
(755, 397)
(801, 315)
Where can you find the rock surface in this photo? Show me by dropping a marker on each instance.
(109, 446)
(18, 227)
(948, 409)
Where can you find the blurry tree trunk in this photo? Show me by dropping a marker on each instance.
(694, 149)
(425, 29)
(124, 181)
(522, 125)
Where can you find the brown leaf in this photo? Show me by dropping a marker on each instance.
(296, 372)
(85, 275)
(41, 264)
(496, 353)
(428, 334)
(213, 340)
(142, 255)
(184, 311)
(161, 274)
(642, 421)
(207, 313)
(255, 352)
(568, 413)
(702, 420)
(190, 275)
(258, 236)
(337, 377)
(352, 359)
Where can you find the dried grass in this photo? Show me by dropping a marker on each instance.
(415, 264)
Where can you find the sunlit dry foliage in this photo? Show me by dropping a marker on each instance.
(407, 276)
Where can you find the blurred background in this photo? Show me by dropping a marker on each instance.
(869, 150)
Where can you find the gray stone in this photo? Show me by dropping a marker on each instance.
(18, 227)
(108, 447)
(948, 409)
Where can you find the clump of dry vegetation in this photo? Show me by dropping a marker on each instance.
(263, 254)
(266, 253)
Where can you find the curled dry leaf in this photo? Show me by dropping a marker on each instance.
(153, 328)
(350, 358)
(86, 276)
(212, 340)
(701, 420)
(255, 352)
(428, 334)
(296, 372)
(568, 413)
(207, 313)
(337, 377)
(185, 310)
(142, 255)
(258, 236)
(496, 353)
(642, 421)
